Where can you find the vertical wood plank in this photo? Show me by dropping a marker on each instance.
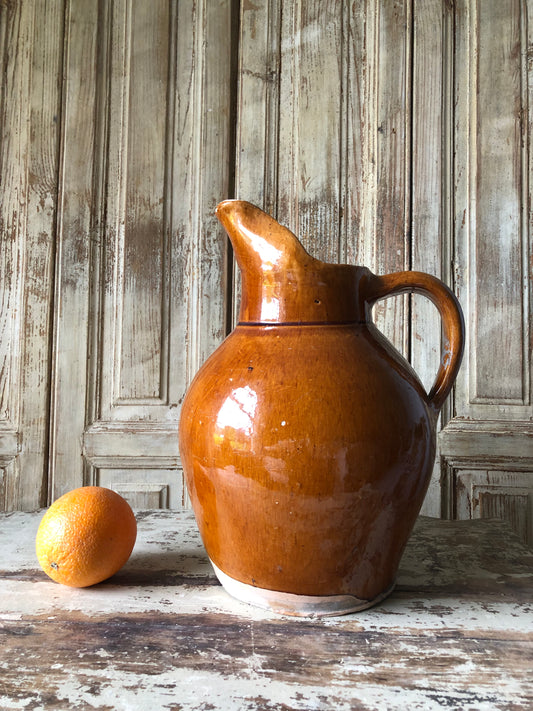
(391, 246)
(464, 216)
(76, 235)
(152, 268)
(258, 115)
(431, 224)
(145, 193)
(498, 294)
(213, 136)
(136, 234)
(16, 28)
(200, 175)
(359, 134)
(377, 129)
(186, 223)
(32, 48)
(431, 155)
(257, 146)
(309, 189)
(343, 141)
(492, 220)
(40, 250)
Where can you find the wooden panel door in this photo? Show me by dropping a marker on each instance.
(396, 135)
(488, 446)
(30, 100)
(141, 276)
(115, 150)
(342, 134)
(390, 134)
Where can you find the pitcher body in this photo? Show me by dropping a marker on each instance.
(307, 441)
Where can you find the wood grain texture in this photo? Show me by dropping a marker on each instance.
(391, 248)
(489, 438)
(143, 314)
(76, 237)
(457, 632)
(30, 45)
(133, 351)
(335, 136)
(431, 193)
(492, 232)
(500, 326)
(431, 171)
(388, 134)
(150, 265)
(15, 28)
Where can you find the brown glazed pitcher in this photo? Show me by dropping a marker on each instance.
(307, 440)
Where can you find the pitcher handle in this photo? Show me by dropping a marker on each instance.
(450, 312)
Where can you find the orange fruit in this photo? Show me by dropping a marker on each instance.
(86, 536)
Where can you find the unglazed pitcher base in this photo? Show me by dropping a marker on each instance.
(296, 605)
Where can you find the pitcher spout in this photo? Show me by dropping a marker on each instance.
(281, 282)
(259, 242)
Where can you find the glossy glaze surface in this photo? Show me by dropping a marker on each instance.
(307, 441)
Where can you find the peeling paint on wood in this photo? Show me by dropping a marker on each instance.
(162, 633)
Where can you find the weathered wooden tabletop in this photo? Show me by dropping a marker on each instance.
(457, 633)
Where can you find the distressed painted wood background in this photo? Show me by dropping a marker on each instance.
(391, 134)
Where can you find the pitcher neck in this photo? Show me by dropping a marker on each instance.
(320, 293)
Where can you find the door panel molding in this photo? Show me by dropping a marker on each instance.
(491, 444)
(477, 492)
(141, 261)
(492, 225)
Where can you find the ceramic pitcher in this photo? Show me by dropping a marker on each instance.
(307, 440)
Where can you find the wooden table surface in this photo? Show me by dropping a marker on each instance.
(457, 632)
